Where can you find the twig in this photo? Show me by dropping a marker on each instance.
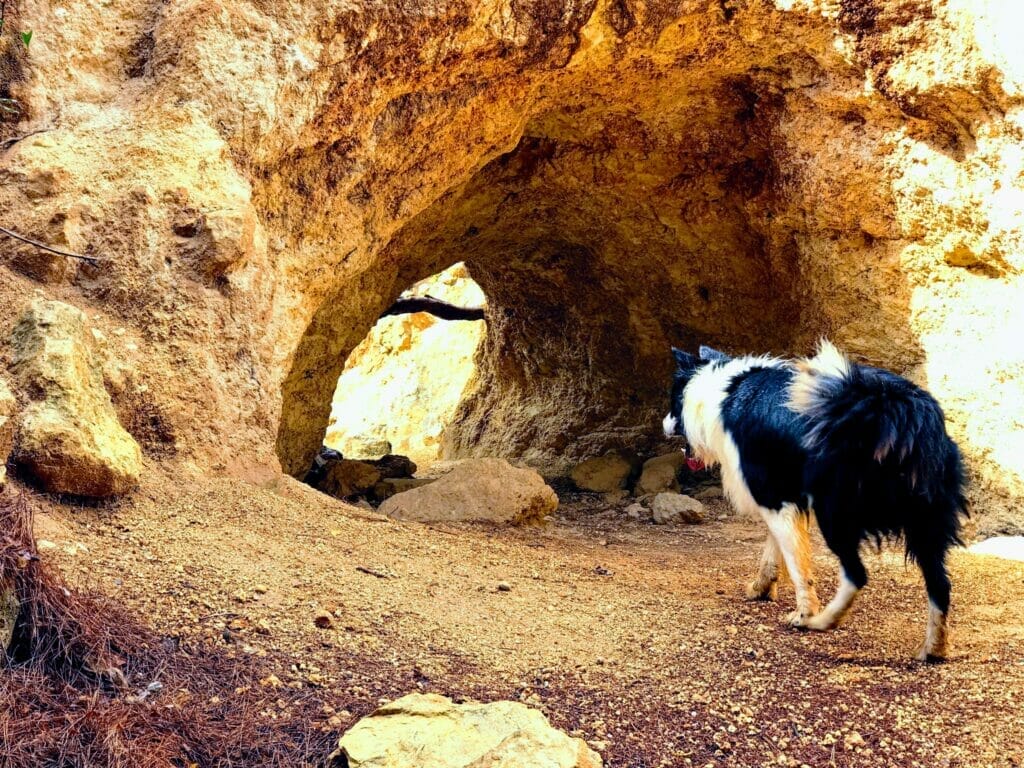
(8, 143)
(43, 246)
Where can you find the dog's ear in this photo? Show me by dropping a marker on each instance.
(709, 355)
(685, 362)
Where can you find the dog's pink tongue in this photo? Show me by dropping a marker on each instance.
(694, 464)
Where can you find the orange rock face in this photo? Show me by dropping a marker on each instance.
(263, 179)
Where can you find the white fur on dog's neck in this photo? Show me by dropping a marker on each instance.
(702, 404)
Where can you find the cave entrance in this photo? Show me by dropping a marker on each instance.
(402, 385)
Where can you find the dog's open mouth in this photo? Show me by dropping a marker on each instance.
(694, 464)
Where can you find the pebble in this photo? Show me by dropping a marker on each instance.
(504, 586)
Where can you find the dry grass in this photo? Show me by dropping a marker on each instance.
(73, 689)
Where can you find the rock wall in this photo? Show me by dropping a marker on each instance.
(262, 179)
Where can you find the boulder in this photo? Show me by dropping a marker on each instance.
(8, 406)
(422, 730)
(660, 474)
(349, 478)
(70, 439)
(390, 486)
(611, 472)
(486, 490)
(395, 466)
(671, 508)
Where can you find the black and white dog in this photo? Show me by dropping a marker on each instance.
(864, 449)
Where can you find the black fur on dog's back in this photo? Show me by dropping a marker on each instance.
(879, 463)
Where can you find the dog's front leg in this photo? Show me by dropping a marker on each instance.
(765, 584)
(791, 529)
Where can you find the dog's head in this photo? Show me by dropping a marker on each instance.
(686, 367)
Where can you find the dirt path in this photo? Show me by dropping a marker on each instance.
(631, 635)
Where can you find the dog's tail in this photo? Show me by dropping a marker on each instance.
(867, 426)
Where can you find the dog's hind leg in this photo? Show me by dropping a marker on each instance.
(936, 581)
(791, 529)
(852, 578)
(765, 584)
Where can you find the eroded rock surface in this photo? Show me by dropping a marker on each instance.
(263, 179)
(70, 440)
(479, 490)
(429, 730)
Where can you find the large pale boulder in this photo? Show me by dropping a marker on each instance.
(604, 474)
(660, 474)
(485, 490)
(8, 406)
(421, 730)
(70, 439)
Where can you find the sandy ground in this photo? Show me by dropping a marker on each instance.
(631, 635)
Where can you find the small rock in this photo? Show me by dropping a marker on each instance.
(504, 586)
(853, 739)
(638, 511)
(672, 508)
(611, 472)
(661, 474)
(710, 494)
(323, 620)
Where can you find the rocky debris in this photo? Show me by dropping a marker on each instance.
(8, 406)
(603, 474)
(672, 508)
(660, 474)
(387, 488)
(430, 730)
(638, 511)
(70, 439)
(485, 490)
(346, 478)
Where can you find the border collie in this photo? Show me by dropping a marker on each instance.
(863, 449)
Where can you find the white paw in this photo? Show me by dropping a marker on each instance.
(820, 623)
(797, 619)
(756, 591)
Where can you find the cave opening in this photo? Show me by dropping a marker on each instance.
(403, 383)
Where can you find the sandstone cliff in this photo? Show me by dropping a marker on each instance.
(261, 179)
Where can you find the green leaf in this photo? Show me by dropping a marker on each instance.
(26, 37)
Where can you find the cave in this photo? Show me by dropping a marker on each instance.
(618, 175)
(619, 224)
